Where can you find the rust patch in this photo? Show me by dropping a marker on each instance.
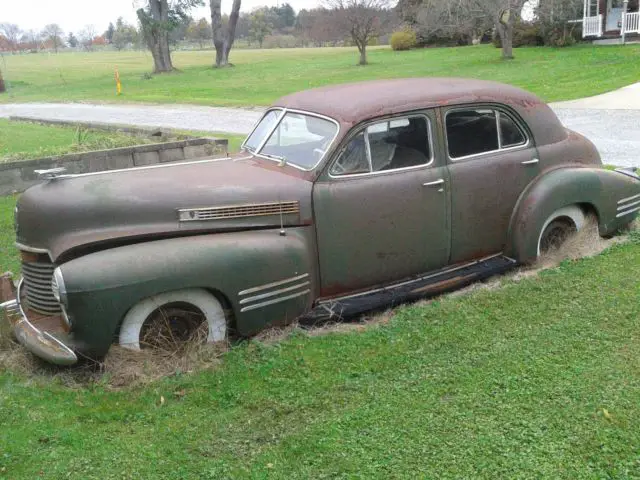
(7, 290)
(443, 285)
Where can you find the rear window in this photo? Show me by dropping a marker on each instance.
(475, 131)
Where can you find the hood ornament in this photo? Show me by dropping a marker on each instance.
(51, 173)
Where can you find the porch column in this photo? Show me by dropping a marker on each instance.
(623, 30)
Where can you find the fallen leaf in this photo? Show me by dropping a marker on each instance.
(161, 400)
(606, 414)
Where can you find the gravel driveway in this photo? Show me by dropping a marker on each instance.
(615, 131)
(183, 117)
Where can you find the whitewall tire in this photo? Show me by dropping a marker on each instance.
(571, 214)
(199, 298)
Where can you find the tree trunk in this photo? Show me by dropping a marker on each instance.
(156, 34)
(362, 48)
(505, 30)
(2, 86)
(222, 42)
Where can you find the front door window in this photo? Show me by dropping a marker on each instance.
(381, 210)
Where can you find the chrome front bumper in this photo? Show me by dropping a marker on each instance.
(41, 344)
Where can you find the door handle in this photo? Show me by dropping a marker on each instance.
(434, 184)
(531, 162)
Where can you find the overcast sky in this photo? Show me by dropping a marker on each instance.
(73, 15)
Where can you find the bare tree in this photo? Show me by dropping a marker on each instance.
(157, 20)
(155, 27)
(223, 38)
(87, 35)
(11, 32)
(360, 19)
(553, 16)
(53, 33)
(32, 38)
(442, 20)
(504, 14)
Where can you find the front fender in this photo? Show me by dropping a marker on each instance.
(598, 189)
(250, 269)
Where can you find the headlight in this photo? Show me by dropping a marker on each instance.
(58, 287)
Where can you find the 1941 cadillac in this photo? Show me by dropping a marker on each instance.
(345, 198)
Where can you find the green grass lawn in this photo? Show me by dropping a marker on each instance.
(537, 379)
(9, 260)
(261, 76)
(22, 140)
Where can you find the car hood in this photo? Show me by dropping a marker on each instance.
(84, 211)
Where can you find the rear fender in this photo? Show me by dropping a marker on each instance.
(263, 276)
(605, 192)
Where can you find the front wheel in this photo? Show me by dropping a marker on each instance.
(560, 225)
(171, 320)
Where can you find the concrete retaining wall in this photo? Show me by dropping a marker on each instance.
(18, 176)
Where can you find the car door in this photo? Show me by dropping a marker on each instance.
(492, 158)
(381, 206)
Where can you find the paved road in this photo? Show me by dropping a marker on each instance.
(615, 130)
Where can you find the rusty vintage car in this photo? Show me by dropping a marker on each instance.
(345, 198)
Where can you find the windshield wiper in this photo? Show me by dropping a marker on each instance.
(281, 159)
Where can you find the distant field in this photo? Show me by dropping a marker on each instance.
(260, 76)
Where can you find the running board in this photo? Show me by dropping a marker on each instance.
(429, 285)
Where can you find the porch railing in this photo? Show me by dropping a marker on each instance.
(632, 23)
(592, 26)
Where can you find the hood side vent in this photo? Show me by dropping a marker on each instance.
(238, 211)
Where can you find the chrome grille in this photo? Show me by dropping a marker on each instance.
(37, 281)
(238, 211)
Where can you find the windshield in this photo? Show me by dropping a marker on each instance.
(298, 139)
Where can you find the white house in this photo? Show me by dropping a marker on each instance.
(608, 18)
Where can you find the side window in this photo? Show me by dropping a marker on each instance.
(510, 133)
(470, 132)
(480, 130)
(388, 145)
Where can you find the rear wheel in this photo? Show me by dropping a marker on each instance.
(173, 320)
(560, 225)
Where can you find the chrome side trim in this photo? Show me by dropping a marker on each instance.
(628, 199)
(274, 301)
(627, 212)
(272, 284)
(274, 293)
(413, 280)
(146, 167)
(628, 205)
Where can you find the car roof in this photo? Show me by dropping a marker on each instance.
(355, 102)
(352, 103)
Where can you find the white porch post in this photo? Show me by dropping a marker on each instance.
(625, 4)
(599, 18)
